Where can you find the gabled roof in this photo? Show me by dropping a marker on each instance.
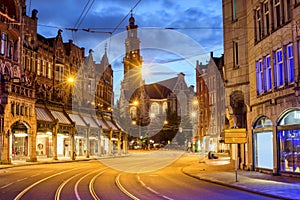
(157, 91)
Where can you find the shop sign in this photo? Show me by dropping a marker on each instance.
(235, 136)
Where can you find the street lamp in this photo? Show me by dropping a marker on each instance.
(71, 80)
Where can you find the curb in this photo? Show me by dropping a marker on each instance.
(7, 166)
(233, 186)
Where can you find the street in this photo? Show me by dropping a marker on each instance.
(138, 176)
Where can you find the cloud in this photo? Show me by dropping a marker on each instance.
(198, 30)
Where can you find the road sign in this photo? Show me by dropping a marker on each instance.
(235, 136)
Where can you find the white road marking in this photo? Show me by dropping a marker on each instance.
(6, 185)
(21, 179)
(152, 190)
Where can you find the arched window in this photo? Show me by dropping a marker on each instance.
(289, 141)
(154, 108)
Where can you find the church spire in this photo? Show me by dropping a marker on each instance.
(132, 60)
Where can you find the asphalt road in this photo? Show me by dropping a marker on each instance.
(154, 175)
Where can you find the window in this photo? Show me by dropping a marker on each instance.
(44, 68)
(12, 109)
(154, 108)
(59, 70)
(234, 16)
(290, 63)
(277, 13)
(236, 54)
(133, 112)
(27, 63)
(3, 43)
(33, 64)
(287, 11)
(267, 73)
(278, 68)
(38, 70)
(258, 25)
(259, 77)
(49, 71)
(266, 18)
(10, 49)
(165, 107)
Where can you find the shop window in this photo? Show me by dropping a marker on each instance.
(263, 144)
(289, 142)
(263, 122)
(292, 117)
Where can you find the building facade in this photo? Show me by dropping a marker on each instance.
(271, 51)
(41, 114)
(145, 109)
(211, 101)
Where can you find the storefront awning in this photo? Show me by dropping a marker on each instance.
(62, 118)
(77, 119)
(102, 124)
(90, 121)
(42, 115)
(114, 128)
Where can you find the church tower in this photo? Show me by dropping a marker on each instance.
(133, 80)
(132, 60)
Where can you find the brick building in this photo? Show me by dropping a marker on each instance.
(261, 44)
(38, 100)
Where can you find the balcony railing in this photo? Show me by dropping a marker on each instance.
(20, 90)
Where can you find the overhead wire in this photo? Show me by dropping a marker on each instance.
(81, 18)
(137, 3)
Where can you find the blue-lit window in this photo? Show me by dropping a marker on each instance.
(267, 73)
(259, 77)
(278, 68)
(290, 63)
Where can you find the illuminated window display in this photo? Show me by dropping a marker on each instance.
(263, 143)
(289, 142)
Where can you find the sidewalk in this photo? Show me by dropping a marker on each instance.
(16, 163)
(220, 171)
